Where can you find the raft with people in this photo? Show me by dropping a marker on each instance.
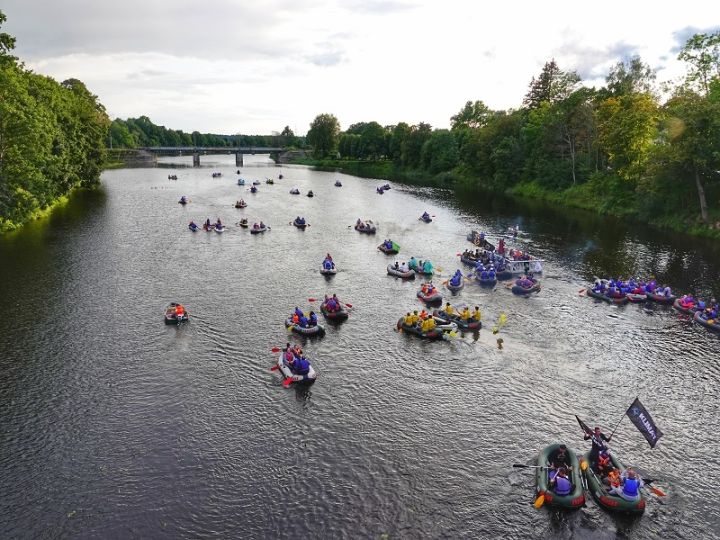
(429, 294)
(333, 310)
(253, 189)
(661, 298)
(244, 223)
(338, 183)
(425, 217)
(636, 297)
(176, 313)
(478, 238)
(467, 322)
(456, 282)
(389, 247)
(327, 267)
(616, 298)
(270, 181)
(314, 330)
(241, 181)
(686, 304)
(300, 223)
(310, 193)
(400, 271)
(183, 200)
(571, 495)
(437, 332)
(258, 228)
(193, 226)
(365, 227)
(302, 377)
(526, 285)
(256, 182)
(606, 490)
(240, 204)
(220, 228)
(706, 320)
(294, 191)
(379, 190)
(424, 268)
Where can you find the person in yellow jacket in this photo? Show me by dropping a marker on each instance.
(414, 317)
(449, 309)
(476, 314)
(465, 315)
(408, 320)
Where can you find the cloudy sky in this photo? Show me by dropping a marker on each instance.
(243, 66)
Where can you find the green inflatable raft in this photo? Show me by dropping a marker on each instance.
(576, 498)
(601, 493)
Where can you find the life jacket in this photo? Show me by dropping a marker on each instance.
(465, 315)
(614, 478)
(631, 487)
(301, 366)
(563, 486)
(295, 318)
(603, 461)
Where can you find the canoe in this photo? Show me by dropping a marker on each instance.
(660, 298)
(600, 296)
(470, 324)
(432, 298)
(436, 333)
(600, 491)
(519, 289)
(305, 330)
(576, 498)
(712, 326)
(339, 315)
(286, 372)
(258, 230)
(299, 225)
(171, 317)
(399, 273)
(328, 271)
(392, 251)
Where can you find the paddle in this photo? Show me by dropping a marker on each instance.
(275, 349)
(275, 368)
(521, 466)
(539, 501)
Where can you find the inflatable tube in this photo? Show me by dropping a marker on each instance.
(305, 331)
(338, 315)
(636, 298)
(660, 298)
(286, 372)
(600, 296)
(327, 271)
(712, 326)
(392, 251)
(171, 316)
(470, 324)
(258, 230)
(576, 497)
(436, 333)
(399, 273)
(601, 493)
(519, 289)
(432, 298)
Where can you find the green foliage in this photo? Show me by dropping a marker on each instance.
(51, 139)
(552, 85)
(702, 52)
(440, 152)
(324, 135)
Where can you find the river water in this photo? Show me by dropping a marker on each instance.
(114, 425)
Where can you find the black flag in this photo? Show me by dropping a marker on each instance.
(584, 426)
(644, 422)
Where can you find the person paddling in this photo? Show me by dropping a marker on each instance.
(560, 482)
(598, 440)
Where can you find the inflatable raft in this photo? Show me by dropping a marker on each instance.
(435, 333)
(470, 324)
(399, 273)
(287, 373)
(258, 230)
(305, 330)
(338, 315)
(327, 271)
(576, 498)
(517, 288)
(300, 225)
(601, 492)
(367, 228)
(171, 316)
(713, 326)
(389, 251)
(618, 300)
(660, 298)
(684, 306)
(433, 298)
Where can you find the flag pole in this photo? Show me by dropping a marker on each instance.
(618, 424)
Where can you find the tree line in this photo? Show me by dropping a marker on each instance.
(52, 138)
(141, 132)
(620, 147)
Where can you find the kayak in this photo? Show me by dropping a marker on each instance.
(305, 330)
(328, 271)
(286, 372)
(171, 315)
(399, 273)
(576, 498)
(338, 315)
(299, 225)
(435, 333)
(713, 326)
(432, 298)
(389, 251)
(258, 230)
(470, 324)
(601, 492)
(619, 300)
(519, 289)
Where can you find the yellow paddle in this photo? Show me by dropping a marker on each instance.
(539, 501)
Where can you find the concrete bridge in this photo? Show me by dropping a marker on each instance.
(197, 151)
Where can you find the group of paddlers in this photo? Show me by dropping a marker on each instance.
(425, 321)
(299, 318)
(295, 360)
(617, 288)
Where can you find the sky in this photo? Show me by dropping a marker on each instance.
(254, 67)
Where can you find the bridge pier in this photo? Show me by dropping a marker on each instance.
(238, 159)
(196, 159)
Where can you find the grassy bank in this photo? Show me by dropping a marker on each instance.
(7, 225)
(602, 194)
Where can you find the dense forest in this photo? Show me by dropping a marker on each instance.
(141, 132)
(52, 138)
(619, 149)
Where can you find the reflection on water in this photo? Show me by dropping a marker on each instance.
(116, 425)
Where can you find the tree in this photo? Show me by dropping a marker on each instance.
(397, 140)
(472, 115)
(323, 135)
(411, 152)
(440, 151)
(630, 77)
(552, 85)
(702, 52)
(7, 42)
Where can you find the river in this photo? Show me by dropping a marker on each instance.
(115, 425)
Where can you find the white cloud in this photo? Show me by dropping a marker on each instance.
(229, 66)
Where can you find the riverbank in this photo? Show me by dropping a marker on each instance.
(7, 225)
(602, 195)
